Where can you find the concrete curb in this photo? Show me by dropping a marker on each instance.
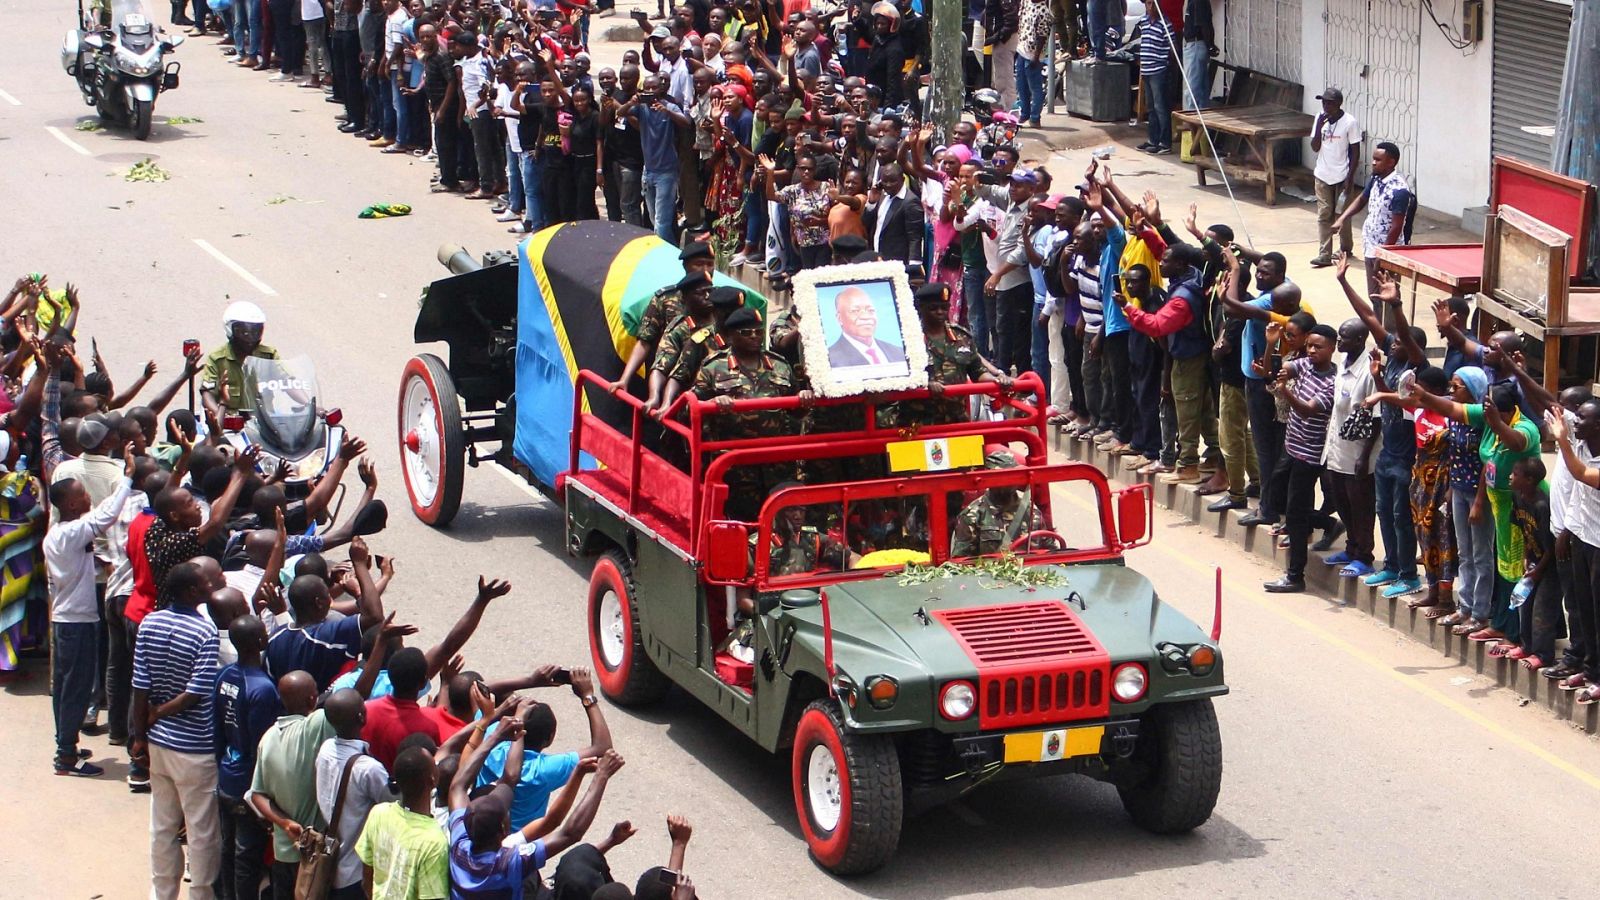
(1324, 580)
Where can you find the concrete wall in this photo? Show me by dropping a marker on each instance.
(1452, 165)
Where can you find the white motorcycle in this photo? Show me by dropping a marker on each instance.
(118, 60)
(287, 426)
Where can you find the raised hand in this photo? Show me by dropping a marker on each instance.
(489, 590)
(679, 829)
(1441, 314)
(609, 765)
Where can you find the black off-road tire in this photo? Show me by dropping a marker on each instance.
(1182, 746)
(868, 831)
(632, 680)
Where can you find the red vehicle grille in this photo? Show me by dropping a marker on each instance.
(1037, 663)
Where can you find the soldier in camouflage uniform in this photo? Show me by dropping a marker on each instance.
(690, 341)
(664, 308)
(994, 521)
(798, 548)
(953, 358)
(745, 372)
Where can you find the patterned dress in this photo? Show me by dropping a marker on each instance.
(1430, 498)
(22, 582)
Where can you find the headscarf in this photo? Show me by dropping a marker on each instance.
(738, 90)
(1475, 381)
(961, 152)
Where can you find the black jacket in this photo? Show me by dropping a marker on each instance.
(902, 228)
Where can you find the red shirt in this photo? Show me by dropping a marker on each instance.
(143, 600)
(391, 720)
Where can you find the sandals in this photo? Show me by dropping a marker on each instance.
(1588, 697)
(1453, 619)
(1518, 653)
(1531, 663)
(1486, 634)
(1573, 682)
(1502, 650)
(1441, 612)
(1468, 626)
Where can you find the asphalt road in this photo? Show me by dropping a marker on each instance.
(1357, 763)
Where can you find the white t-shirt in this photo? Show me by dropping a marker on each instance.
(395, 30)
(311, 10)
(474, 75)
(502, 102)
(1333, 160)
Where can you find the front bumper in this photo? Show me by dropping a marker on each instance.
(940, 768)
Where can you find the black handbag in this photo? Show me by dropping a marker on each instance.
(1360, 425)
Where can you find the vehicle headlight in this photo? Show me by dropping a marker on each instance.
(1129, 682)
(312, 465)
(957, 700)
(133, 65)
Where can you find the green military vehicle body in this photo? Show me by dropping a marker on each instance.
(896, 690)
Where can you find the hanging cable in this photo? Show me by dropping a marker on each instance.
(1205, 130)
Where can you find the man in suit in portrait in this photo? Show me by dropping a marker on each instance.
(858, 344)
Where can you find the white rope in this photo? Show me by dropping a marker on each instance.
(1205, 130)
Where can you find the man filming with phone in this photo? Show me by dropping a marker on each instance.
(543, 771)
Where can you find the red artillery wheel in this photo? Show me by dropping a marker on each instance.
(433, 444)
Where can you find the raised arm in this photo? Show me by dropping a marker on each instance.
(1454, 336)
(1389, 295)
(573, 829)
(599, 731)
(1362, 308)
(1563, 436)
(243, 465)
(560, 804)
(456, 637)
(370, 604)
(467, 772)
(191, 366)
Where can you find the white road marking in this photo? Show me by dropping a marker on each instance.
(61, 136)
(10, 99)
(238, 270)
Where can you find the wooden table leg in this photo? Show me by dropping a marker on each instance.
(1272, 173)
(1552, 363)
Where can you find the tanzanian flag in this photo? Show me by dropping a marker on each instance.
(582, 288)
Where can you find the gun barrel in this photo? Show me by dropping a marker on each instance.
(456, 258)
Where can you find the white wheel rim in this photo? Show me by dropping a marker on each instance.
(425, 465)
(612, 629)
(824, 792)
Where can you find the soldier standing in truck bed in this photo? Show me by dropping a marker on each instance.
(744, 371)
(663, 309)
(691, 340)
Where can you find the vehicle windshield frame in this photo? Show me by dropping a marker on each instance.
(934, 487)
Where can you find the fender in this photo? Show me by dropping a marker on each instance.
(140, 90)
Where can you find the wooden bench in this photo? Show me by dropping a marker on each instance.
(1261, 129)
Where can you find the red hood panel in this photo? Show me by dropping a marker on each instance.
(1037, 663)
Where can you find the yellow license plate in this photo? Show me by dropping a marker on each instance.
(1048, 746)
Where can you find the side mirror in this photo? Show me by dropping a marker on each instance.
(94, 41)
(1133, 517)
(175, 39)
(728, 556)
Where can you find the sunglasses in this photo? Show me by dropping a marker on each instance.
(747, 332)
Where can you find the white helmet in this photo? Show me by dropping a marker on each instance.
(244, 313)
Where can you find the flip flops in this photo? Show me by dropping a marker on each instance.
(385, 211)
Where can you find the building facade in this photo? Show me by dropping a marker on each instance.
(1452, 82)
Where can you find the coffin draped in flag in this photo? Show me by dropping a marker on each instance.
(582, 288)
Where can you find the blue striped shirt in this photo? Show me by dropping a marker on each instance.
(176, 653)
(1153, 47)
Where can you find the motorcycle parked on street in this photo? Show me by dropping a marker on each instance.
(118, 60)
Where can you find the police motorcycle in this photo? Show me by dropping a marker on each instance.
(117, 57)
(285, 422)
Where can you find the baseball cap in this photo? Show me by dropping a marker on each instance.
(660, 32)
(1023, 177)
(1331, 93)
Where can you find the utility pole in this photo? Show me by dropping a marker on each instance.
(949, 75)
(1576, 149)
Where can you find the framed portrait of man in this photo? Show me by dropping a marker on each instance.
(859, 329)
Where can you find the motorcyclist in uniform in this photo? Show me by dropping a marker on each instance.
(222, 387)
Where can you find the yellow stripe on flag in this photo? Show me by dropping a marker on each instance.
(936, 454)
(535, 249)
(617, 278)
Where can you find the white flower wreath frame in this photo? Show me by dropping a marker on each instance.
(824, 380)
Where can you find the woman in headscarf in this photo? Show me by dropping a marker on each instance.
(729, 166)
(939, 203)
(1474, 534)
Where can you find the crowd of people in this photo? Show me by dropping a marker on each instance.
(294, 739)
(773, 126)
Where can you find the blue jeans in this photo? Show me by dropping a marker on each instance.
(1394, 517)
(1475, 569)
(1197, 75)
(254, 27)
(1030, 88)
(1098, 23)
(74, 666)
(979, 306)
(1160, 120)
(755, 220)
(402, 111)
(533, 213)
(661, 203)
(1040, 351)
(387, 110)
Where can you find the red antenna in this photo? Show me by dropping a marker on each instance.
(1216, 615)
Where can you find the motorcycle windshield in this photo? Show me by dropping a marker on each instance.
(285, 394)
(135, 32)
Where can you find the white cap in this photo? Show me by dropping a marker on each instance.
(245, 313)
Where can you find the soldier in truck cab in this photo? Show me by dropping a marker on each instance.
(995, 521)
(798, 548)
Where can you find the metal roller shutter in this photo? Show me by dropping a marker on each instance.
(1530, 49)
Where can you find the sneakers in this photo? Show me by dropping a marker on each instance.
(282, 77)
(78, 769)
(1163, 150)
(1401, 587)
(1285, 585)
(1321, 262)
(1146, 147)
(519, 228)
(138, 782)
(1380, 578)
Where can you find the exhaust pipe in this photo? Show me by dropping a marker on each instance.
(456, 258)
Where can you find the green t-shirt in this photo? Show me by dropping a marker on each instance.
(286, 771)
(408, 853)
(1498, 458)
